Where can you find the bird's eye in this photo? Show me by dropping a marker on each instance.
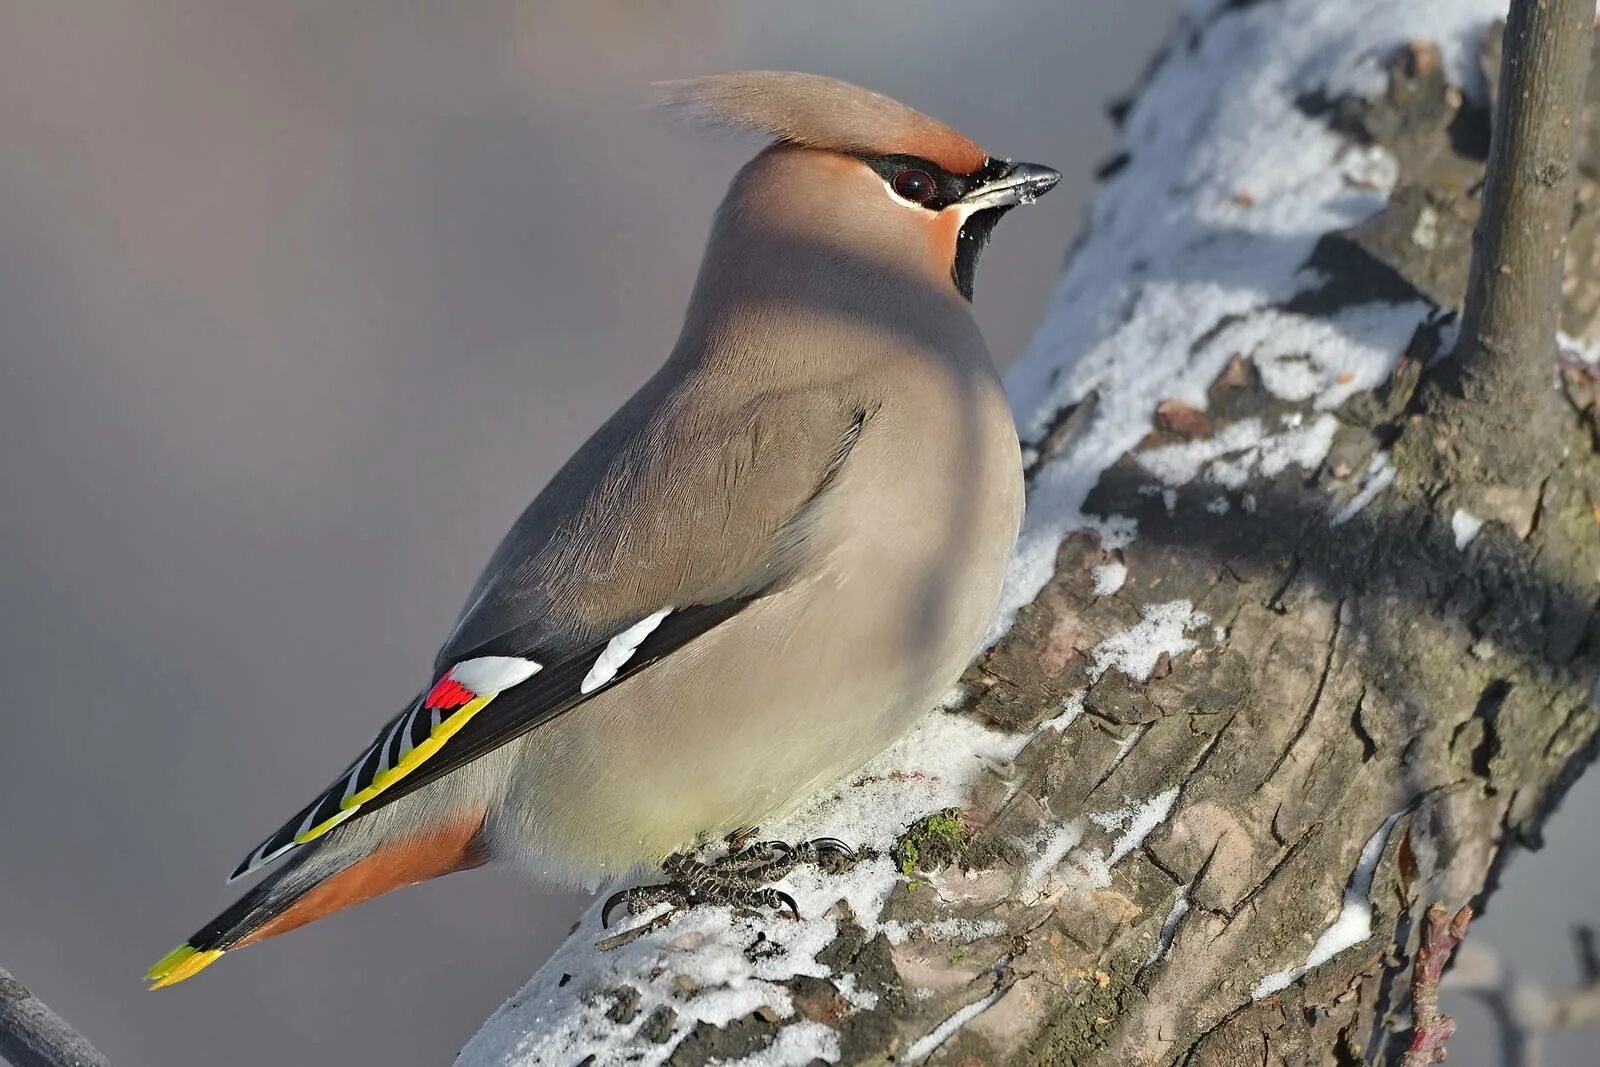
(914, 185)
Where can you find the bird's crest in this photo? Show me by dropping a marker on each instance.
(817, 112)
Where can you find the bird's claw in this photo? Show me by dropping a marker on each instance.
(741, 878)
(824, 846)
(638, 898)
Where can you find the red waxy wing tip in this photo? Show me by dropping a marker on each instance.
(447, 693)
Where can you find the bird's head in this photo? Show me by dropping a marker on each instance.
(852, 169)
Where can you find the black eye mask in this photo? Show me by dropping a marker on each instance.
(946, 188)
(928, 185)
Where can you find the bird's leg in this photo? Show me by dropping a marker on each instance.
(739, 881)
(644, 897)
(737, 839)
(741, 878)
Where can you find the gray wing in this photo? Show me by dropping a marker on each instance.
(645, 541)
(668, 505)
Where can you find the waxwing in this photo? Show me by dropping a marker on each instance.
(754, 576)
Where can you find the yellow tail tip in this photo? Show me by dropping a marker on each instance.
(183, 962)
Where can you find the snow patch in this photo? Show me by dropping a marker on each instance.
(1180, 464)
(964, 931)
(1169, 927)
(715, 979)
(1465, 526)
(1140, 819)
(1135, 651)
(858, 998)
(1109, 577)
(1300, 446)
(1354, 922)
(1053, 844)
(1230, 456)
(545, 1023)
(1324, 360)
(1577, 346)
(932, 767)
(1060, 867)
(1071, 708)
(1374, 480)
(797, 1045)
(928, 1044)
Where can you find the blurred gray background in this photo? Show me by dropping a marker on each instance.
(299, 304)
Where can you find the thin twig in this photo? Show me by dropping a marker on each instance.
(1431, 1028)
(31, 1035)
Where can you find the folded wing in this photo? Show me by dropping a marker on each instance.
(646, 562)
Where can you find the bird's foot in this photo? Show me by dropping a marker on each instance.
(740, 878)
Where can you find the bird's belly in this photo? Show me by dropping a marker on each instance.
(729, 732)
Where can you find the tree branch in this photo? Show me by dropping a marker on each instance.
(31, 1035)
(1499, 398)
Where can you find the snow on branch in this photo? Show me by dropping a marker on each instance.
(1197, 248)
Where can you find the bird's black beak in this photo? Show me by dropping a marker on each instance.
(1012, 184)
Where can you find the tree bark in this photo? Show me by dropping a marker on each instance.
(1257, 740)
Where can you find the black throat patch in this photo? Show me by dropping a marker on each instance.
(969, 244)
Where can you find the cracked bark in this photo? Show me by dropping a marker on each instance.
(1369, 671)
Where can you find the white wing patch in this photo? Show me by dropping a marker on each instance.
(619, 650)
(493, 674)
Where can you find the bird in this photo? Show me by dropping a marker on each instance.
(757, 574)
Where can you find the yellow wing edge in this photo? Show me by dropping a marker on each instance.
(408, 763)
(181, 963)
(186, 961)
